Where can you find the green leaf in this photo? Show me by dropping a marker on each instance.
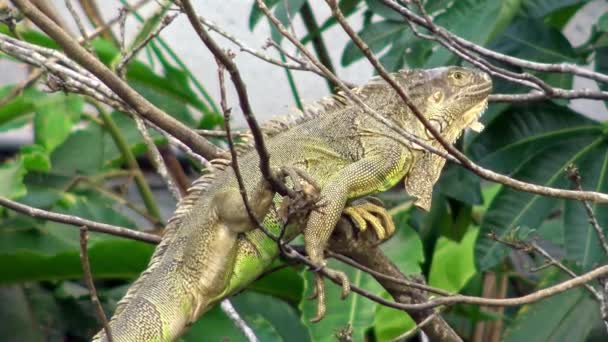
(292, 284)
(11, 179)
(35, 158)
(216, 326)
(458, 18)
(89, 142)
(542, 8)
(581, 240)
(384, 11)
(458, 183)
(390, 323)
(453, 264)
(17, 317)
(550, 141)
(17, 107)
(377, 36)
(602, 22)
(256, 14)
(283, 317)
(569, 316)
(354, 311)
(30, 251)
(405, 247)
(532, 39)
(54, 119)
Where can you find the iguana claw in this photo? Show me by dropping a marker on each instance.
(319, 291)
(366, 211)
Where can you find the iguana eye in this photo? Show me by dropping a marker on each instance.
(459, 77)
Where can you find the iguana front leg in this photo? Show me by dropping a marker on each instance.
(377, 172)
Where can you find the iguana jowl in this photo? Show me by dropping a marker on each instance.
(211, 250)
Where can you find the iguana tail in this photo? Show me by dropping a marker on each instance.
(171, 293)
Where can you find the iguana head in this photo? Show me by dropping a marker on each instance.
(452, 98)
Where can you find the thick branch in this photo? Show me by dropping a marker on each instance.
(142, 106)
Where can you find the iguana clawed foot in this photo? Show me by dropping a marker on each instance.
(371, 211)
(319, 290)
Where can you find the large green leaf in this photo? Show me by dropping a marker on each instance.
(11, 179)
(216, 326)
(532, 39)
(89, 142)
(453, 264)
(550, 140)
(541, 8)
(354, 311)
(54, 119)
(32, 251)
(581, 240)
(18, 107)
(569, 316)
(377, 36)
(490, 18)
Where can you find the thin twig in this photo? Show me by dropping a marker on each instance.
(575, 177)
(126, 58)
(157, 159)
(536, 247)
(79, 222)
(418, 327)
(234, 316)
(83, 32)
(241, 91)
(88, 278)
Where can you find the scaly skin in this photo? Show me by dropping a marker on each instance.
(211, 249)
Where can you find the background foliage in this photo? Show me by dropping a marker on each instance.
(75, 166)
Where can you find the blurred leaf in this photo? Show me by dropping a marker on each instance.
(453, 263)
(541, 8)
(256, 14)
(89, 142)
(11, 179)
(384, 11)
(216, 326)
(581, 241)
(35, 158)
(532, 39)
(602, 22)
(377, 36)
(405, 247)
(291, 282)
(284, 318)
(488, 16)
(390, 323)
(54, 119)
(17, 107)
(30, 251)
(354, 310)
(569, 316)
(458, 183)
(16, 316)
(550, 140)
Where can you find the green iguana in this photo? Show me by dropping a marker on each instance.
(211, 248)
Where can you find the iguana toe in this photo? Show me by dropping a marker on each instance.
(319, 291)
(373, 213)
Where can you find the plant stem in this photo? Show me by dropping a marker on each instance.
(123, 146)
(317, 40)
